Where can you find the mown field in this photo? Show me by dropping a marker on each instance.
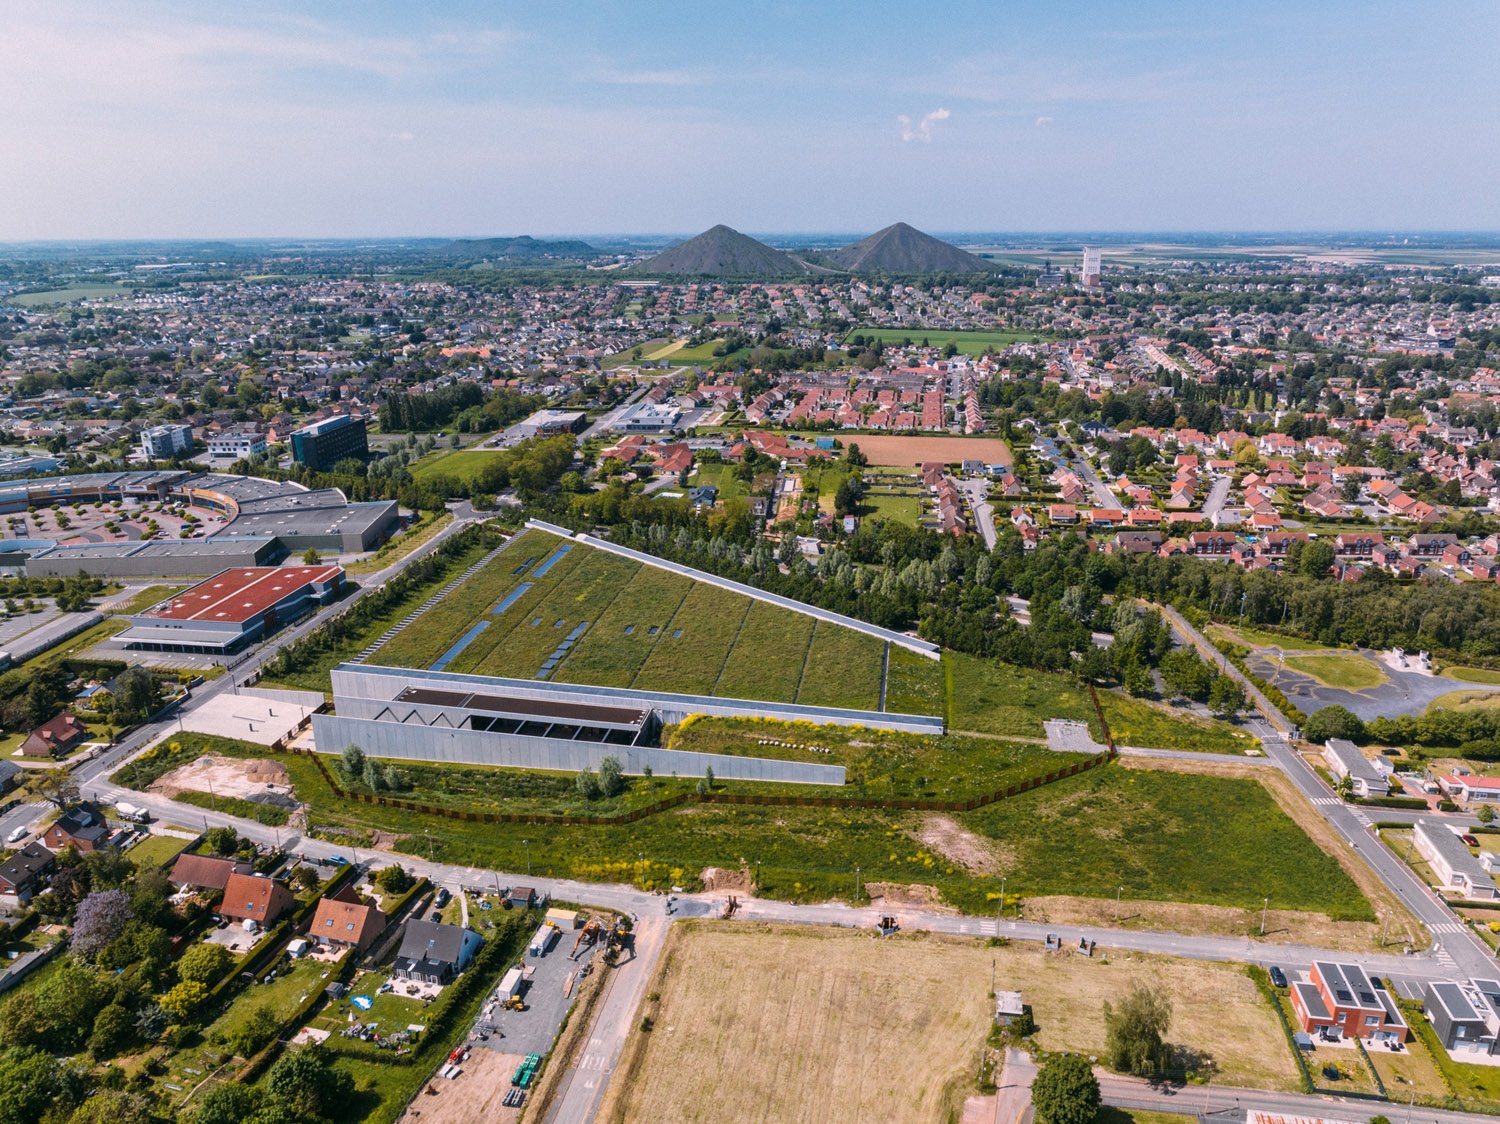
(645, 628)
(459, 464)
(821, 1021)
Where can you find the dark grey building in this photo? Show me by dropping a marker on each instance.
(324, 443)
(433, 952)
(1465, 1015)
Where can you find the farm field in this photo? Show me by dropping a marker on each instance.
(69, 294)
(967, 342)
(1347, 671)
(897, 451)
(643, 627)
(822, 1021)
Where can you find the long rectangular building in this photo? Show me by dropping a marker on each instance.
(233, 608)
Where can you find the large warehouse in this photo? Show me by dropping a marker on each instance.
(233, 609)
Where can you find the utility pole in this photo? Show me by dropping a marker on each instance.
(1119, 892)
(1002, 899)
(1264, 905)
(856, 884)
(527, 842)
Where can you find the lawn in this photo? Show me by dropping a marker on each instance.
(721, 476)
(914, 684)
(709, 620)
(463, 465)
(1349, 672)
(156, 850)
(143, 600)
(1260, 638)
(898, 507)
(990, 697)
(1465, 700)
(1136, 722)
(1165, 836)
(843, 669)
(894, 1027)
(766, 661)
(967, 342)
(611, 652)
(1472, 674)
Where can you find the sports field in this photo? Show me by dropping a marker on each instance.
(547, 608)
(785, 1023)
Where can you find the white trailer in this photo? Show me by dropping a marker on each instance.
(542, 942)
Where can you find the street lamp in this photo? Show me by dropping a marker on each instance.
(1119, 891)
(642, 857)
(527, 842)
(1001, 912)
(856, 884)
(1264, 905)
(757, 876)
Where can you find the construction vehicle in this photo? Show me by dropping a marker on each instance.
(514, 1003)
(586, 937)
(730, 906)
(887, 925)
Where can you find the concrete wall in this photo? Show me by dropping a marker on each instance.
(353, 682)
(313, 699)
(472, 747)
(921, 647)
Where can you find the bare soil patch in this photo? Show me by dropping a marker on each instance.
(226, 776)
(898, 893)
(472, 1098)
(908, 451)
(718, 878)
(1283, 926)
(945, 836)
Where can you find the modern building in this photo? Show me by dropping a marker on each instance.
(324, 443)
(1340, 1001)
(163, 442)
(1453, 864)
(1465, 1014)
(1344, 759)
(1093, 261)
(434, 953)
(233, 609)
(237, 443)
(547, 423)
(647, 417)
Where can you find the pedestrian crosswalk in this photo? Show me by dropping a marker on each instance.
(1448, 928)
(1326, 801)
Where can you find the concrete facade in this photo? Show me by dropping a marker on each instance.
(414, 742)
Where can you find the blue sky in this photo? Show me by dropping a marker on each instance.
(363, 119)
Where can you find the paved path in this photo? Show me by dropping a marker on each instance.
(1133, 1093)
(1013, 1090)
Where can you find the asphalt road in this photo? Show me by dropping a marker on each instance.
(88, 774)
(1218, 492)
(978, 491)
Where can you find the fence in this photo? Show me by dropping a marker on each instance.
(668, 803)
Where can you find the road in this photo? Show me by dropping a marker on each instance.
(1142, 1096)
(1218, 492)
(88, 773)
(1453, 944)
(608, 419)
(978, 491)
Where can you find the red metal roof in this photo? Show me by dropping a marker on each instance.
(239, 594)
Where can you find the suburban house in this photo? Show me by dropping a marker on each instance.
(54, 737)
(1470, 789)
(434, 953)
(1452, 861)
(252, 897)
(348, 923)
(1345, 760)
(23, 873)
(205, 872)
(1340, 1001)
(1465, 1015)
(81, 827)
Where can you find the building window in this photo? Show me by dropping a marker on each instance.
(1372, 1020)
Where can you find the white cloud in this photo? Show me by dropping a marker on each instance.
(1043, 121)
(922, 130)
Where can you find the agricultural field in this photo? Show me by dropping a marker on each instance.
(967, 342)
(821, 1021)
(68, 295)
(897, 451)
(642, 627)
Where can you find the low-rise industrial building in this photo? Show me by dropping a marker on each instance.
(233, 609)
(1344, 759)
(546, 423)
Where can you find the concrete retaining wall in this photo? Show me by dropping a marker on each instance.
(353, 682)
(910, 643)
(313, 699)
(472, 747)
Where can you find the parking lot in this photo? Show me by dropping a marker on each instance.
(547, 995)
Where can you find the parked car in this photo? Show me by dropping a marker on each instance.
(443, 897)
(1278, 977)
(17, 834)
(1470, 840)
